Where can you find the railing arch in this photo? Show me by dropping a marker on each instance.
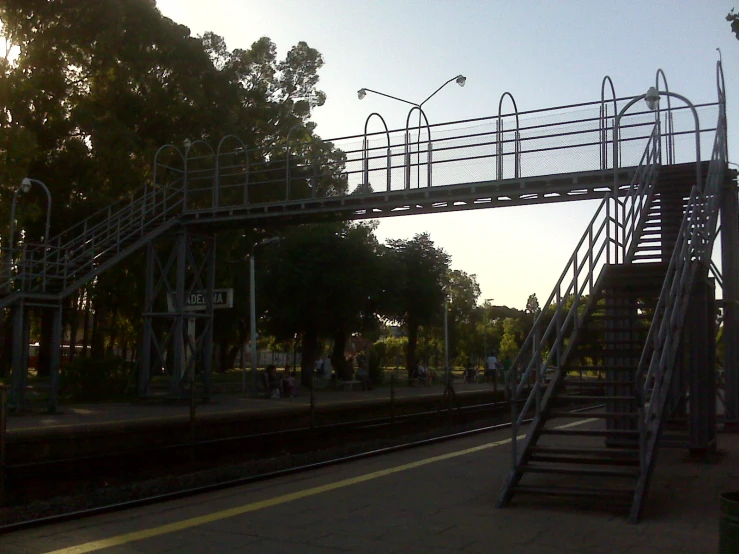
(155, 182)
(240, 149)
(603, 121)
(516, 142)
(407, 157)
(365, 150)
(189, 149)
(697, 131)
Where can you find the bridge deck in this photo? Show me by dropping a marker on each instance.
(561, 187)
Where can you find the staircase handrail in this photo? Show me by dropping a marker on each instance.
(133, 217)
(632, 223)
(693, 248)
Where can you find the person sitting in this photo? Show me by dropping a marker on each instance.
(363, 373)
(288, 383)
(424, 377)
(272, 381)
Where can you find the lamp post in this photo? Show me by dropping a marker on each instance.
(253, 302)
(485, 332)
(446, 339)
(24, 187)
(459, 79)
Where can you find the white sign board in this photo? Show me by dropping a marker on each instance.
(195, 301)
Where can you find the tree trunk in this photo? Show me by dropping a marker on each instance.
(410, 355)
(337, 356)
(86, 325)
(74, 323)
(110, 349)
(7, 343)
(99, 331)
(310, 349)
(43, 362)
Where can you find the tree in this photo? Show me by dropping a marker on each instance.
(320, 282)
(733, 18)
(508, 344)
(418, 276)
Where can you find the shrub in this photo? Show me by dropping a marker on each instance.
(89, 380)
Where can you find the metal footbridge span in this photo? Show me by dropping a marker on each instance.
(641, 279)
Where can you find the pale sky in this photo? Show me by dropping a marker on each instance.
(545, 53)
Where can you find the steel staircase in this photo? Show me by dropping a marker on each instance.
(604, 345)
(80, 253)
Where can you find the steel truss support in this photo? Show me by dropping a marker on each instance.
(699, 339)
(174, 338)
(730, 273)
(21, 337)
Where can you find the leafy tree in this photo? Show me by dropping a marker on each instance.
(733, 18)
(508, 344)
(419, 273)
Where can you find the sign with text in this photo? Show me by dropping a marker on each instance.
(195, 301)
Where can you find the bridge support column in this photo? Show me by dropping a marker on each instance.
(56, 354)
(700, 339)
(730, 273)
(20, 357)
(183, 267)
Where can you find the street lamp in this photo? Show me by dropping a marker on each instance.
(254, 334)
(485, 331)
(24, 187)
(652, 98)
(459, 79)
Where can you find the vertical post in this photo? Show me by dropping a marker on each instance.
(447, 371)
(312, 401)
(243, 368)
(56, 346)
(392, 398)
(20, 357)
(3, 430)
(254, 335)
(145, 366)
(730, 270)
(179, 323)
(192, 416)
(207, 347)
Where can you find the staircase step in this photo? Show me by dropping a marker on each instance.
(602, 382)
(601, 415)
(590, 397)
(579, 492)
(584, 460)
(584, 451)
(584, 471)
(592, 432)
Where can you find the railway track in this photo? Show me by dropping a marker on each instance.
(55, 477)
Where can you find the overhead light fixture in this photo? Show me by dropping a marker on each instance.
(461, 80)
(25, 184)
(652, 98)
(361, 93)
(187, 143)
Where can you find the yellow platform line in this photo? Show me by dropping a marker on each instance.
(277, 500)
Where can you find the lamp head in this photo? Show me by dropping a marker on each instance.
(461, 80)
(187, 143)
(25, 184)
(361, 93)
(652, 98)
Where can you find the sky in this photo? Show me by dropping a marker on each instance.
(545, 53)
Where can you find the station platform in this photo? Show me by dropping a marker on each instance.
(432, 500)
(86, 416)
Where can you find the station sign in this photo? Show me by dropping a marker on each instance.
(195, 301)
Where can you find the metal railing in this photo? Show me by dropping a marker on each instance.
(548, 141)
(606, 240)
(692, 253)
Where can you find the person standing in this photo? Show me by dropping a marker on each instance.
(491, 368)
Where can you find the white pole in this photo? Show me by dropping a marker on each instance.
(254, 334)
(446, 341)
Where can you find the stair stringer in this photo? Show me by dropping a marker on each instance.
(550, 394)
